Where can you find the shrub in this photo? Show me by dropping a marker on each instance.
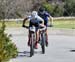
(54, 10)
(8, 49)
(48, 7)
(69, 8)
(58, 11)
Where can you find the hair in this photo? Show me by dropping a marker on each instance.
(41, 9)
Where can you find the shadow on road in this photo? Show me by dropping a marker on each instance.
(72, 50)
(23, 54)
(27, 53)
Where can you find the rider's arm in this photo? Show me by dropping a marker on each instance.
(51, 20)
(41, 24)
(39, 18)
(24, 21)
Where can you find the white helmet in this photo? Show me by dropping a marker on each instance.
(34, 14)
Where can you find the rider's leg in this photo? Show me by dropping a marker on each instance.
(37, 38)
(29, 36)
(46, 37)
(46, 24)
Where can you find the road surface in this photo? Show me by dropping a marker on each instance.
(61, 46)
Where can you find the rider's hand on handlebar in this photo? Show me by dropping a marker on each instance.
(23, 25)
(50, 25)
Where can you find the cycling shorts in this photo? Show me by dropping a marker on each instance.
(46, 23)
(34, 24)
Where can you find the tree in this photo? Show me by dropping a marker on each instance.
(48, 7)
(58, 11)
(2, 9)
(69, 8)
(54, 10)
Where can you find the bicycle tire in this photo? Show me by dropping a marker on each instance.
(43, 49)
(45, 39)
(32, 46)
(43, 43)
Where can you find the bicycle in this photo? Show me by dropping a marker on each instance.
(32, 39)
(42, 38)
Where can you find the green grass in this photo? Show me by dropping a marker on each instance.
(57, 24)
(64, 23)
(12, 24)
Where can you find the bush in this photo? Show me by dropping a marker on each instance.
(54, 10)
(58, 11)
(69, 8)
(8, 49)
(48, 7)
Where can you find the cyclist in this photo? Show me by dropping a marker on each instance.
(34, 20)
(45, 15)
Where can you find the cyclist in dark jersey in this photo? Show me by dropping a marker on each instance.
(46, 16)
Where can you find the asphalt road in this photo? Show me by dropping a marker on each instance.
(61, 46)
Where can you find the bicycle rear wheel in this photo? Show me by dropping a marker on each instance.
(45, 37)
(43, 43)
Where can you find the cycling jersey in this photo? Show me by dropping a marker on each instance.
(34, 21)
(45, 16)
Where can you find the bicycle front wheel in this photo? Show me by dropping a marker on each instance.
(32, 46)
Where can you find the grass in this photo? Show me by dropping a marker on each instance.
(57, 24)
(13, 24)
(64, 23)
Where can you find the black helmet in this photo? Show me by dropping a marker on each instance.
(41, 9)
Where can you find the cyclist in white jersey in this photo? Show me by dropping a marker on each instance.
(34, 20)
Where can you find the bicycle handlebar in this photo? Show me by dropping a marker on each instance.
(50, 26)
(42, 28)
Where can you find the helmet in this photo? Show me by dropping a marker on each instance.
(41, 9)
(34, 14)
